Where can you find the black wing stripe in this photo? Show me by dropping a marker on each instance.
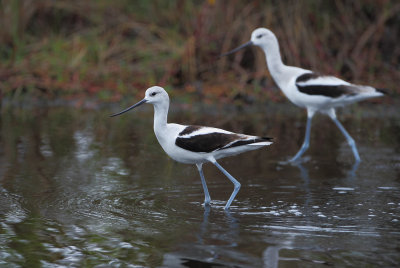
(206, 143)
(245, 142)
(332, 91)
(327, 91)
(383, 90)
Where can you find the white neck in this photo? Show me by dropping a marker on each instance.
(274, 60)
(160, 115)
(160, 120)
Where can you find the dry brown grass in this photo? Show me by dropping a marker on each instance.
(113, 49)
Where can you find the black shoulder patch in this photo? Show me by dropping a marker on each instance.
(189, 129)
(206, 143)
(307, 76)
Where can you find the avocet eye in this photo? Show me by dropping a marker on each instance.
(153, 94)
(259, 36)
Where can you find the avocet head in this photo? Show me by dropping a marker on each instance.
(259, 37)
(154, 95)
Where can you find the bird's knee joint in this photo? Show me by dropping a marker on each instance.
(305, 146)
(351, 142)
(237, 186)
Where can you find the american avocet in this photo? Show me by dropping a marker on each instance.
(307, 89)
(197, 144)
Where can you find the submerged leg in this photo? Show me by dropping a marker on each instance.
(235, 183)
(207, 198)
(306, 142)
(349, 139)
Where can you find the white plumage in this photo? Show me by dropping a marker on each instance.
(306, 89)
(197, 144)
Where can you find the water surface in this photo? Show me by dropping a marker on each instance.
(81, 189)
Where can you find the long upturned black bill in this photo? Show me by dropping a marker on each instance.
(130, 108)
(237, 49)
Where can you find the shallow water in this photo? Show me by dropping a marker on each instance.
(81, 189)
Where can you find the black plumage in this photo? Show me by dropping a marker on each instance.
(206, 143)
(189, 129)
(332, 91)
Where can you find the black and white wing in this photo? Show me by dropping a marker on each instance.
(331, 87)
(208, 139)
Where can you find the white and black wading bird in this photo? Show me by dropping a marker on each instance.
(197, 144)
(307, 89)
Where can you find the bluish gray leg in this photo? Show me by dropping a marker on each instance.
(349, 139)
(235, 183)
(207, 198)
(306, 142)
(352, 172)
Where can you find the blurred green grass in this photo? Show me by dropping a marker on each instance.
(114, 49)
